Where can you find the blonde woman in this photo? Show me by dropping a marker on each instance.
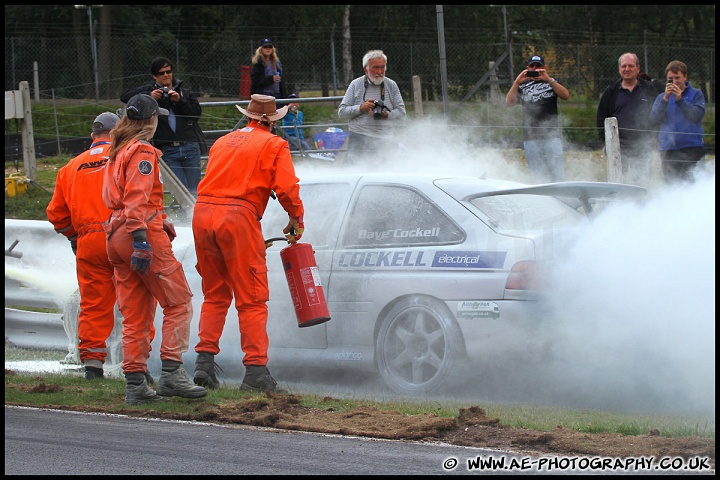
(266, 75)
(145, 268)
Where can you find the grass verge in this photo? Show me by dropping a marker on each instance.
(71, 391)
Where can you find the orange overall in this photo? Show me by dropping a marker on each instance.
(133, 189)
(76, 209)
(244, 167)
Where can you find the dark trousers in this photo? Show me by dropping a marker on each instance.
(679, 164)
(360, 146)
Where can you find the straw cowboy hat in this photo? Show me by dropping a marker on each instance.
(262, 107)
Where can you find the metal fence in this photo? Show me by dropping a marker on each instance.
(64, 67)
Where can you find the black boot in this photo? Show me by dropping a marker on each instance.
(137, 390)
(206, 371)
(258, 379)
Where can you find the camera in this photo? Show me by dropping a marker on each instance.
(378, 109)
(670, 80)
(165, 91)
(533, 73)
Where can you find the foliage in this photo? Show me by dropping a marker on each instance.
(209, 43)
(680, 24)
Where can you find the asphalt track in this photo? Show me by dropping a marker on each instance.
(54, 442)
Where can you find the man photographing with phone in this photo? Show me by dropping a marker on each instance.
(679, 111)
(538, 92)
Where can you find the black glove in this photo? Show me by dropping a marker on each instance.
(73, 244)
(169, 229)
(141, 257)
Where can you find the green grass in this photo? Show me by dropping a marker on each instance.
(73, 391)
(72, 118)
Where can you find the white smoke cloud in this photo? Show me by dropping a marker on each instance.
(635, 305)
(633, 302)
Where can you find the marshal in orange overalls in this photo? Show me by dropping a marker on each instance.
(77, 210)
(133, 189)
(244, 167)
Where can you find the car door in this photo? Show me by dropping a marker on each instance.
(325, 203)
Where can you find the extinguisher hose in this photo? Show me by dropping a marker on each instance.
(269, 241)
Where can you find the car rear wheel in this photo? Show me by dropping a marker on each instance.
(419, 346)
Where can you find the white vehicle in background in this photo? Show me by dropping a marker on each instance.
(424, 277)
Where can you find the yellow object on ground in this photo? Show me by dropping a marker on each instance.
(15, 183)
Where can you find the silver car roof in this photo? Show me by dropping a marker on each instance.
(465, 189)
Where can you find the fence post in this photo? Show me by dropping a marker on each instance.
(612, 151)
(28, 139)
(417, 96)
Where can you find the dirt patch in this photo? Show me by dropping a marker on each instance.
(472, 427)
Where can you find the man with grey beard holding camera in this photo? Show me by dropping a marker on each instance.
(372, 104)
(538, 92)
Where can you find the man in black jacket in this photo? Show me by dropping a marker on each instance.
(630, 100)
(178, 135)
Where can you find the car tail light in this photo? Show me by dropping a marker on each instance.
(526, 275)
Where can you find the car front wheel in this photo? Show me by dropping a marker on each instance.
(419, 346)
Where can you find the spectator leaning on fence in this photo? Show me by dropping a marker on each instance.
(178, 135)
(372, 104)
(538, 93)
(630, 100)
(293, 126)
(679, 112)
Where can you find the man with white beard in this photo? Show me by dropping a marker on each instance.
(373, 104)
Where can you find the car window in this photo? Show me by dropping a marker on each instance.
(391, 215)
(519, 213)
(324, 204)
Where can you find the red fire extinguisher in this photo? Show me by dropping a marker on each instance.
(303, 279)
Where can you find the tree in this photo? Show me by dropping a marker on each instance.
(346, 46)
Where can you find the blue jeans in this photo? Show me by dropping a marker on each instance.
(545, 159)
(184, 161)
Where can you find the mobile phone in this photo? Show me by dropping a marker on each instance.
(532, 73)
(670, 80)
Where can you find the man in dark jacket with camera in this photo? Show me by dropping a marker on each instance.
(178, 135)
(630, 100)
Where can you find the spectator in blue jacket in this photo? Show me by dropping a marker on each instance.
(293, 122)
(679, 112)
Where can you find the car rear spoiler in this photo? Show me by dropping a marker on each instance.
(575, 194)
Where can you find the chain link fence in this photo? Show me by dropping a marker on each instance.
(65, 67)
(477, 74)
